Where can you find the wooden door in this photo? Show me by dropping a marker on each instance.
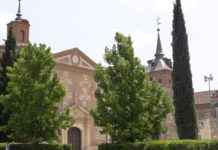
(74, 138)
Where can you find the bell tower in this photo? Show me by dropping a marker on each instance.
(160, 68)
(20, 28)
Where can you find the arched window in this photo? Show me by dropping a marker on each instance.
(23, 36)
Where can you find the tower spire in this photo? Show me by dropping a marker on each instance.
(19, 11)
(159, 52)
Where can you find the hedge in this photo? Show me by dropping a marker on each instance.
(165, 145)
(39, 147)
(2, 146)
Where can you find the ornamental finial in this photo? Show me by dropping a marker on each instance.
(19, 11)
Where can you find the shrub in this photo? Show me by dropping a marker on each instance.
(183, 145)
(165, 145)
(40, 147)
(121, 147)
(2, 146)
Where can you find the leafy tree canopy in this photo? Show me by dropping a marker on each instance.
(129, 108)
(34, 97)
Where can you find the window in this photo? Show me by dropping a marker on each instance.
(160, 81)
(23, 36)
(216, 112)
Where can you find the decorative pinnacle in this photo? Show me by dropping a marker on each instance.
(19, 11)
(159, 53)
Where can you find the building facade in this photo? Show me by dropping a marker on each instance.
(76, 72)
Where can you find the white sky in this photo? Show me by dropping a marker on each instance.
(91, 25)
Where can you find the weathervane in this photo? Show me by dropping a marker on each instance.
(19, 11)
(158, 24)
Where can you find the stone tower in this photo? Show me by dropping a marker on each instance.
(20, 28)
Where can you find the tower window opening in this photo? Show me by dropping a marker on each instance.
(160, 81)
(23, 36)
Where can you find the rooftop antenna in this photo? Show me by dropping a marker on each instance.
(209, 79)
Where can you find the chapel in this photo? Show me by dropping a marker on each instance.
(76, 72)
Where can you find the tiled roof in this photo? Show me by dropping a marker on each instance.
(158, 64)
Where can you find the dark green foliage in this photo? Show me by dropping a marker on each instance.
(4, 117)
(8, 59)
(129, 107)
(182, 79)
(34, 97)
(164, 145)
(40, 147)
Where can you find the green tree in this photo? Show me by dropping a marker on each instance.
(8, 59)
(182, 79)
(33, 97)
(129, 107)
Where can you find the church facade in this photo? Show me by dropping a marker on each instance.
(76, 72)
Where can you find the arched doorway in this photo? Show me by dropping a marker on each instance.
(74, 138)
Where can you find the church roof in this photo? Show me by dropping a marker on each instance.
(19, 15)
(159, 62)
(159, 52)
(158, 65)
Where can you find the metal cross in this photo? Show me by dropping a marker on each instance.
(158, 23)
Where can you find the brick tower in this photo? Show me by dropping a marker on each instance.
(160, 70)
(20, 28)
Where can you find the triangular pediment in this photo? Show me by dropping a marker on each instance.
(75, 57)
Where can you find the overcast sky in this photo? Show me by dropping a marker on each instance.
(91, 25)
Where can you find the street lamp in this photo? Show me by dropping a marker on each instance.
(208, 79)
